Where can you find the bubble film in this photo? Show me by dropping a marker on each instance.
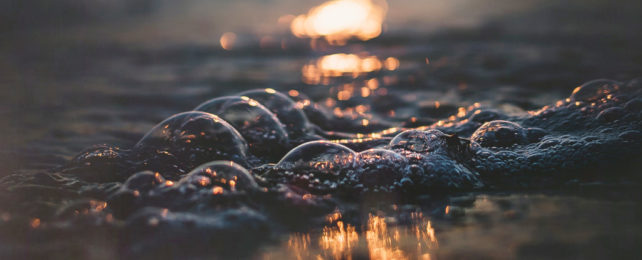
(284, 108)
(195, 138)
(258, 126)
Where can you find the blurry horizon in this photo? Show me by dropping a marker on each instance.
(163, 23)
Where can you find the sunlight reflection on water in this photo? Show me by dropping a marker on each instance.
(379, 239)
(335, 65)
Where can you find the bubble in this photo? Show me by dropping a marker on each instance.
(168, 165)
(106, 163)
(213, 106)
(317, 114)
(631, 135)
(594, 90)
(100, 155)
(225, 174)
(380, 167)
(263, 131)
(634, 105)
(611, 114)
(79, 208)
(483, 116)
(419, 141)
(195, 137)
(283, 107)
(318, 157)
(499, 133)
(143, 181)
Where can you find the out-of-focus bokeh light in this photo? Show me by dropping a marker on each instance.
(391, 63)
(228, 40)
(339, 20)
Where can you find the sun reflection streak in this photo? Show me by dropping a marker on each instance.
(379, 240)
(298, 244)
(339, 20)
(339, 240)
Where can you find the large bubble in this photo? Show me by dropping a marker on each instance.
(213, 106)
(285, 109)
(595, 89)
(257, 124)
(318, 157)
(499, 133)
(195, 138)
(380, 168)
(224, 174)
(419, 141)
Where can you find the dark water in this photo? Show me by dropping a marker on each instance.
(464, 141)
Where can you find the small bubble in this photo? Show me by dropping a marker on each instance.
(318, 157)
(225, 174)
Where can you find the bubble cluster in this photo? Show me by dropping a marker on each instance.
(219, 162)
(260, 128)
(380, 168)
(440, 172)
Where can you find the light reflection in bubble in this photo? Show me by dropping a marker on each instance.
(377, 240)
(339, 20)
(220, 176)
(255, 123)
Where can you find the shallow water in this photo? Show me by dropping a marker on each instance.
(468, 142)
